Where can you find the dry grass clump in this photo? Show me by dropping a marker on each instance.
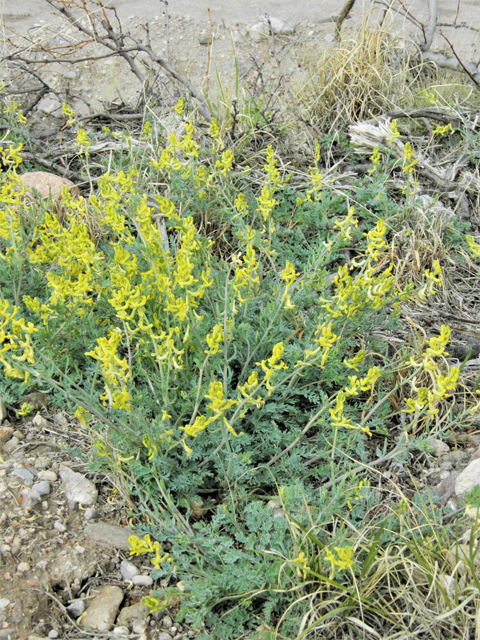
(357, 78)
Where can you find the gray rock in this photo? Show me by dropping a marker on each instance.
(91, 513)
(5, 433)
(167, 622)
(59, 526)
(135, 612)
(76, 608)
(456, 457)
(49, 476)
(3, 410)
(8, 634)
(109, 535)
(50, 107)
(24, 475)
(53, 634)
(276, 25)
(78, 488)
(103, 608)
(30, 498)
(120, 631)
(142, 581)
(164, 636)
(128, 570)
(468, 478)
(4, 602)
(11, 444)
(42, 487)
(446, 488)
(439, 447)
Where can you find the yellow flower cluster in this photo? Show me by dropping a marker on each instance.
(15, 340)
(139, 546)
(441, 386)
(342, 560)
(266, 201)
(116, 371)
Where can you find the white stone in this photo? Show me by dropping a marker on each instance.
(128, 570)
(276, 25)
(469, 478)
(440, 448)
(143, 581)
(78, 488)
(49, 476)
(448, 583)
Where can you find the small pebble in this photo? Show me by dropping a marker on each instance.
(30, 498)
(53, 633)
(4, 603)
(167, 622)
(128, 570)
(12, 444)
(23, 566)
(59, 526)
(49, 476)
(76, 608)
(42, 487)
(91, 513)
(121, 631)
(143, 581)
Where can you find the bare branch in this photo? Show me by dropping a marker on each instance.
(347, 7)
(432, 23)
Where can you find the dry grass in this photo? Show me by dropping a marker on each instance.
(359, 77)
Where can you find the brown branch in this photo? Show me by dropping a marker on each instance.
(347, 7)
(115, 42)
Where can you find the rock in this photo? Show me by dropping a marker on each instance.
(135, 612)
(12, 444)
(109, 535)
(43, 462)
(143, 581)
(78, 488)
(76, 608)
(30, 498)
(50, 107)
(59, 526)
(46, 185)
(276, 511)
(120, 631)
(39, 421)
(4, 602)
(440, 448)
(49, 476)
(3, 411)
(468, 478)
(25, 476)
(91, 514)
(456, 457)
(446, 488)
(42, 487)
(37, 400)
(204, 37)
(53, 634)
(276, 25)
(164, 636)
(167, 622)
(461, 553)
(23, 567)
(103, 608)
(5, 433)
(128, 570)
(258, 31)
(139, 626)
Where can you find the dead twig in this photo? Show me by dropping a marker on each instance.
(347, 7)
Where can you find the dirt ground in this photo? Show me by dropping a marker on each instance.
(179, 31)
